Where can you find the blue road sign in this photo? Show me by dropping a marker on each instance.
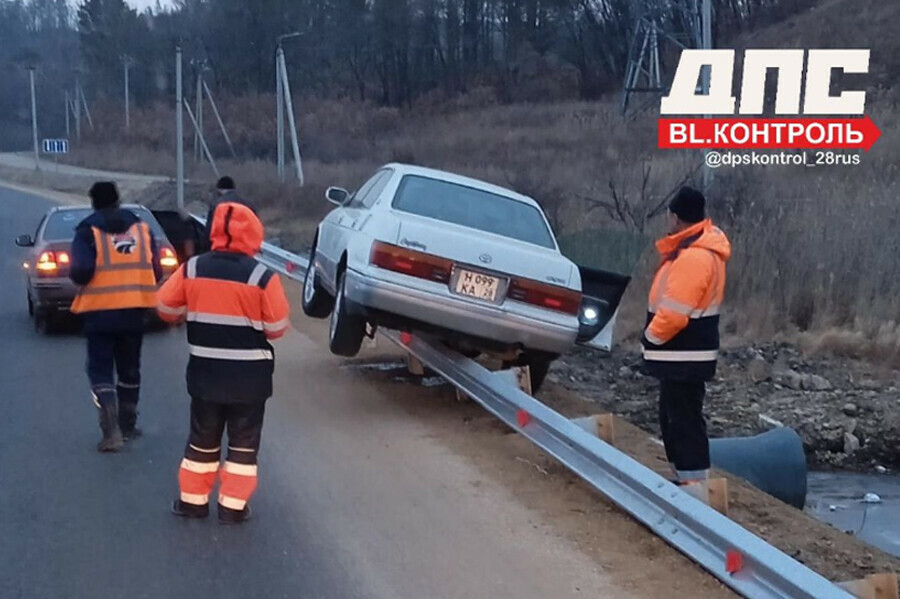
(56, 146)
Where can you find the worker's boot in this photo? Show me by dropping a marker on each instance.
(128, 420)
(229, 516)
(109, 424)
(189, 510)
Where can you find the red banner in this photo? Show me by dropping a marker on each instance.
(774, 134)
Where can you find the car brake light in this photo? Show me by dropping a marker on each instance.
(62, 258)
(168, 259)
(545, 296)
(47, 262)
(409, 262)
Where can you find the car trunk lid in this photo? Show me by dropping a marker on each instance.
(482, 251)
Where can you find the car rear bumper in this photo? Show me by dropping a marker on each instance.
(53, 294)
(481, 321)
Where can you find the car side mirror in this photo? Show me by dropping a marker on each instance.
(24, 241)
(337, 195)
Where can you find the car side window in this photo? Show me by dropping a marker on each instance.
(361, 196)
(376, 189)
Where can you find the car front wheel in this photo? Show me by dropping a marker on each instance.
(316, 302)
(45, 321)
(538, 365)
(345, 335)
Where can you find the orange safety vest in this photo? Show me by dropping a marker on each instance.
(123, 275)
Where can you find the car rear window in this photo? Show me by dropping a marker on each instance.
(61, 225)
(474, 208)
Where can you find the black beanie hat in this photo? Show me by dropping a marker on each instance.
(688, 205)
(225, 183)
(103, 195)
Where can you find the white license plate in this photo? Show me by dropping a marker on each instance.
(475, 284)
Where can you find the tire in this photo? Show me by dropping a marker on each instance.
(538, 365)
(345, 335)
(45, 322)
(316, 302)
(30, 307)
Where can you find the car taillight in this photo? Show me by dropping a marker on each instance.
(168, 259)
(409, 262)
(545, 296)
(62, 258)
(47, 262)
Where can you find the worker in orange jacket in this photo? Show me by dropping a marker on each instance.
(233, 306)
(116, 263)
(681, 341)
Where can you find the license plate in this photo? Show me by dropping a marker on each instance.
(477, 285)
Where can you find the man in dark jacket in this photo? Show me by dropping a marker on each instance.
(115, 260)
(225, 192)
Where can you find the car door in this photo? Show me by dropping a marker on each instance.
(348, 218)
(186, 235)
(601, 292)
(603, 257)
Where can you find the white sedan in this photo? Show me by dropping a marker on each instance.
(474, 264)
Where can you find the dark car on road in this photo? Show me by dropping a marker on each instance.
(50, 291)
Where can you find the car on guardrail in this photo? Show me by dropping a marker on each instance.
(49, 290)
(474, 264)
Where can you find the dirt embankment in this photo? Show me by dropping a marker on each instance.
(846, 411)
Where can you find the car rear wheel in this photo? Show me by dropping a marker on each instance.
(45, 322)
(30, 307)
(538, 365)
(345, 335)
(316, 302)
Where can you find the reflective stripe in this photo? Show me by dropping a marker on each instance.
(161, 307)
(670, 304)
(191, 269)
(685, 310)
(243, 449)
(200, 467)
(117, 289)
(277, 326)
(201, 450)
(653, 338)
(195, 498)
(231, 354)
(131, 266)
(709, 355)
(128, 385)
(238, 321)
(697, 475)
(232, 503)
(241, 469)
(256, 275)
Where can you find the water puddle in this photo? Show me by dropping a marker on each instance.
(840, 500)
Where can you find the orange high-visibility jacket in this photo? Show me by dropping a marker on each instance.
(123, 275)
(681, 340)
(233, 306)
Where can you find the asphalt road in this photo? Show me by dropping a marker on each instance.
(356, 499)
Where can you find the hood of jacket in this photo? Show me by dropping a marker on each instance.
(111, 220)
(703, 235)
(235, 228)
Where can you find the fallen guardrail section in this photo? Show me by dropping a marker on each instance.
(738, 558)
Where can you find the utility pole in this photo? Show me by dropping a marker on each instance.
(198, 150)
(706, 44)
(279, 101)
(34, 126)
(127, 62)
(68, 129)
(179, 129)
(285, 103)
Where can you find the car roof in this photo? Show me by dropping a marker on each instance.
(88, 207)
(410, 169)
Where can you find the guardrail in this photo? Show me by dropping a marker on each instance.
(738, 558)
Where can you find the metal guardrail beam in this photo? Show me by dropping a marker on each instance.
(698, 531)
